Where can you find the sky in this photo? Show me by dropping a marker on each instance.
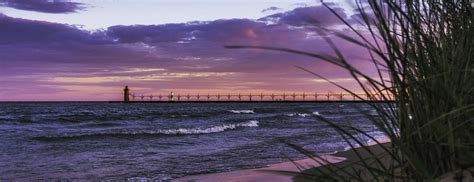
(90, 49)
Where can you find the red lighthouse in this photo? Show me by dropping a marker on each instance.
(126, 94)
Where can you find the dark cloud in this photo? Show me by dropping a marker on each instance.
(303, 16)
(44, 6)
(147, 33)
(270, 9)
(219, 30)
(18, 31)
(231, 30)
(38, 47)
(202, 43)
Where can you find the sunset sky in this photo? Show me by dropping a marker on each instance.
(89, 49)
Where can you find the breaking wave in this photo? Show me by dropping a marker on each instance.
(165, 132)
(242, 111)
(298, 114)
(316, 113)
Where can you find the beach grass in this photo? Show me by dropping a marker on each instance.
(424, 55)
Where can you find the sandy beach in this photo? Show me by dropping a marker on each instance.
(270, 174)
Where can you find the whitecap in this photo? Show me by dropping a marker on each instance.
(242, 111)
(158, 178)
(298, 114)
(214, 129)
(178, 131)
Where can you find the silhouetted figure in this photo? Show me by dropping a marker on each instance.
(171, 99)
(126, 94)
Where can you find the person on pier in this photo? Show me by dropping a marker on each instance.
(171, 99)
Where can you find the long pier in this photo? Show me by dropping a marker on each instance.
(256, 101)
(243, 98)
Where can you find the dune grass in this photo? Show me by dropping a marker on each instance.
(424, 54)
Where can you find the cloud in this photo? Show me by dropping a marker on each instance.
(44, 6)
(300, 4)
(167, 76)
(308, 16)
(18, 31)
(270, 29)
(271, 9)
(38, 54)
(219, 30)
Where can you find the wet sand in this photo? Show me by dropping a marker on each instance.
(271, 174)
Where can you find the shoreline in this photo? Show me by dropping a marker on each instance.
(271, 174)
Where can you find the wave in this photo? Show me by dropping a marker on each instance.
(164, 132)
(7, 117)
(298, 114)
(377, 135)
(101, 124)
(242, 111)
(332, 148)
(178, 115)
(316, 113)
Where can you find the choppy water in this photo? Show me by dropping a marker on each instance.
(161, 141)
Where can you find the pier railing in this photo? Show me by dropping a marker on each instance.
(329, 96)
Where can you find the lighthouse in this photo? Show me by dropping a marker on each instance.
(126, 94)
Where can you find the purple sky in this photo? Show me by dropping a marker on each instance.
(46, 53)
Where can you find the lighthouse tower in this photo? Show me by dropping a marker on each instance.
(126, 94)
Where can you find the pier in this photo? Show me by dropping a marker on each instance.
(130, 97)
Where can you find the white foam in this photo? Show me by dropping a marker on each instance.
(179, 131)
(370, 142)
(242, 111)
(158, 178)
(346, 148)
(298, 114)
(214, 129)
(316, 113)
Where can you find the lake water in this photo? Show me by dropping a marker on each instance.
(163, 141)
